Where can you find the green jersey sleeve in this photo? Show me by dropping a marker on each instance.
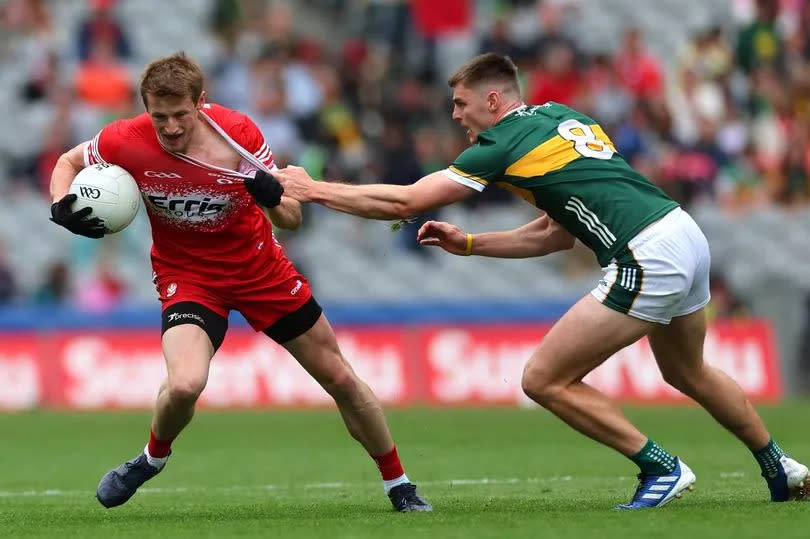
(479, 164)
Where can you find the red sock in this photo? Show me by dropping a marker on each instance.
(389, 465)
(159, 448)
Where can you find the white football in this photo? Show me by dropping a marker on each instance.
(112, 193)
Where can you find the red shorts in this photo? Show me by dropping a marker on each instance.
(262, 301)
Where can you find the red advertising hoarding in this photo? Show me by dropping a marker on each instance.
(436, 364)
(469, 364)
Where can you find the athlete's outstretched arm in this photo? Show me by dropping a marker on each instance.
(67, 166)
(537, 238)
(378, 201)
(286, 215)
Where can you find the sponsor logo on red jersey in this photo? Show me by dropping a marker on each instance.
(194, 208)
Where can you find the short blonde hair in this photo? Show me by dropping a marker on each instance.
(173, 76)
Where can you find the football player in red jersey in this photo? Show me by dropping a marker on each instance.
(203, 172)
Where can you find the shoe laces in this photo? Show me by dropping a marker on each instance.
(411, 495)
(136, 464)
(410, 492)
(406, 491)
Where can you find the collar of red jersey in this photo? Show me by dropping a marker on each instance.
(203, 164)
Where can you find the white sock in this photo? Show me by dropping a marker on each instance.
(154, 461)
(391, 483)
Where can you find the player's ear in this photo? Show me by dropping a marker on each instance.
(493, 100)
(201, 100)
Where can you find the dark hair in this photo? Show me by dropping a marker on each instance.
(488, 67)
(172, 76)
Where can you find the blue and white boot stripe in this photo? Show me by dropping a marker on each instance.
(662, 487)
(672, 485)
(659, 490)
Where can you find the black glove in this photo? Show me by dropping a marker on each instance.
(265, 189)
(76, 221)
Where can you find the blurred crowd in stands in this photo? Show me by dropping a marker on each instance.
(726, 118)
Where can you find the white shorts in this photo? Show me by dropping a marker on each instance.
(664, 272)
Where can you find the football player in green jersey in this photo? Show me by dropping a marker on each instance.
(656, 263)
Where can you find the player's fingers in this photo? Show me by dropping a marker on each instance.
(95, 233)
(299, 173)
(441, 229)
(424, 229)
(431, 228)
(430, 241)
(282, 176)
(80, 214)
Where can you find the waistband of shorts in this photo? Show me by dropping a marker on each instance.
(655, 228)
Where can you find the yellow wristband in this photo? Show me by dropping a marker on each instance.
(468, 251)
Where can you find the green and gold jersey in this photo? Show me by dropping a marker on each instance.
(562, 162)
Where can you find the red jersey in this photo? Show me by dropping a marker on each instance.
(204, 222)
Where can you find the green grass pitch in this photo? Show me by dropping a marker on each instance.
(489, 473)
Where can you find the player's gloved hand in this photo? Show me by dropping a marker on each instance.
(265, 189)
(76, 221)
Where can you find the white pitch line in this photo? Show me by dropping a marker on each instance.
(334, 485)
(313, 486)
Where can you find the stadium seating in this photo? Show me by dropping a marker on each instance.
(369, 262)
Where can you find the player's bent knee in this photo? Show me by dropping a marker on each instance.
(185, 390)
(538, 387)
(341, 383)
(672, 378)
(544, 395)
(685, 381)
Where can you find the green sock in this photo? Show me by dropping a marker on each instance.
(768, 458)
(654, 459)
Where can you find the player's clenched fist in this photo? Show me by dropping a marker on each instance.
(440, 234)
(297, 183)
(265, 189)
